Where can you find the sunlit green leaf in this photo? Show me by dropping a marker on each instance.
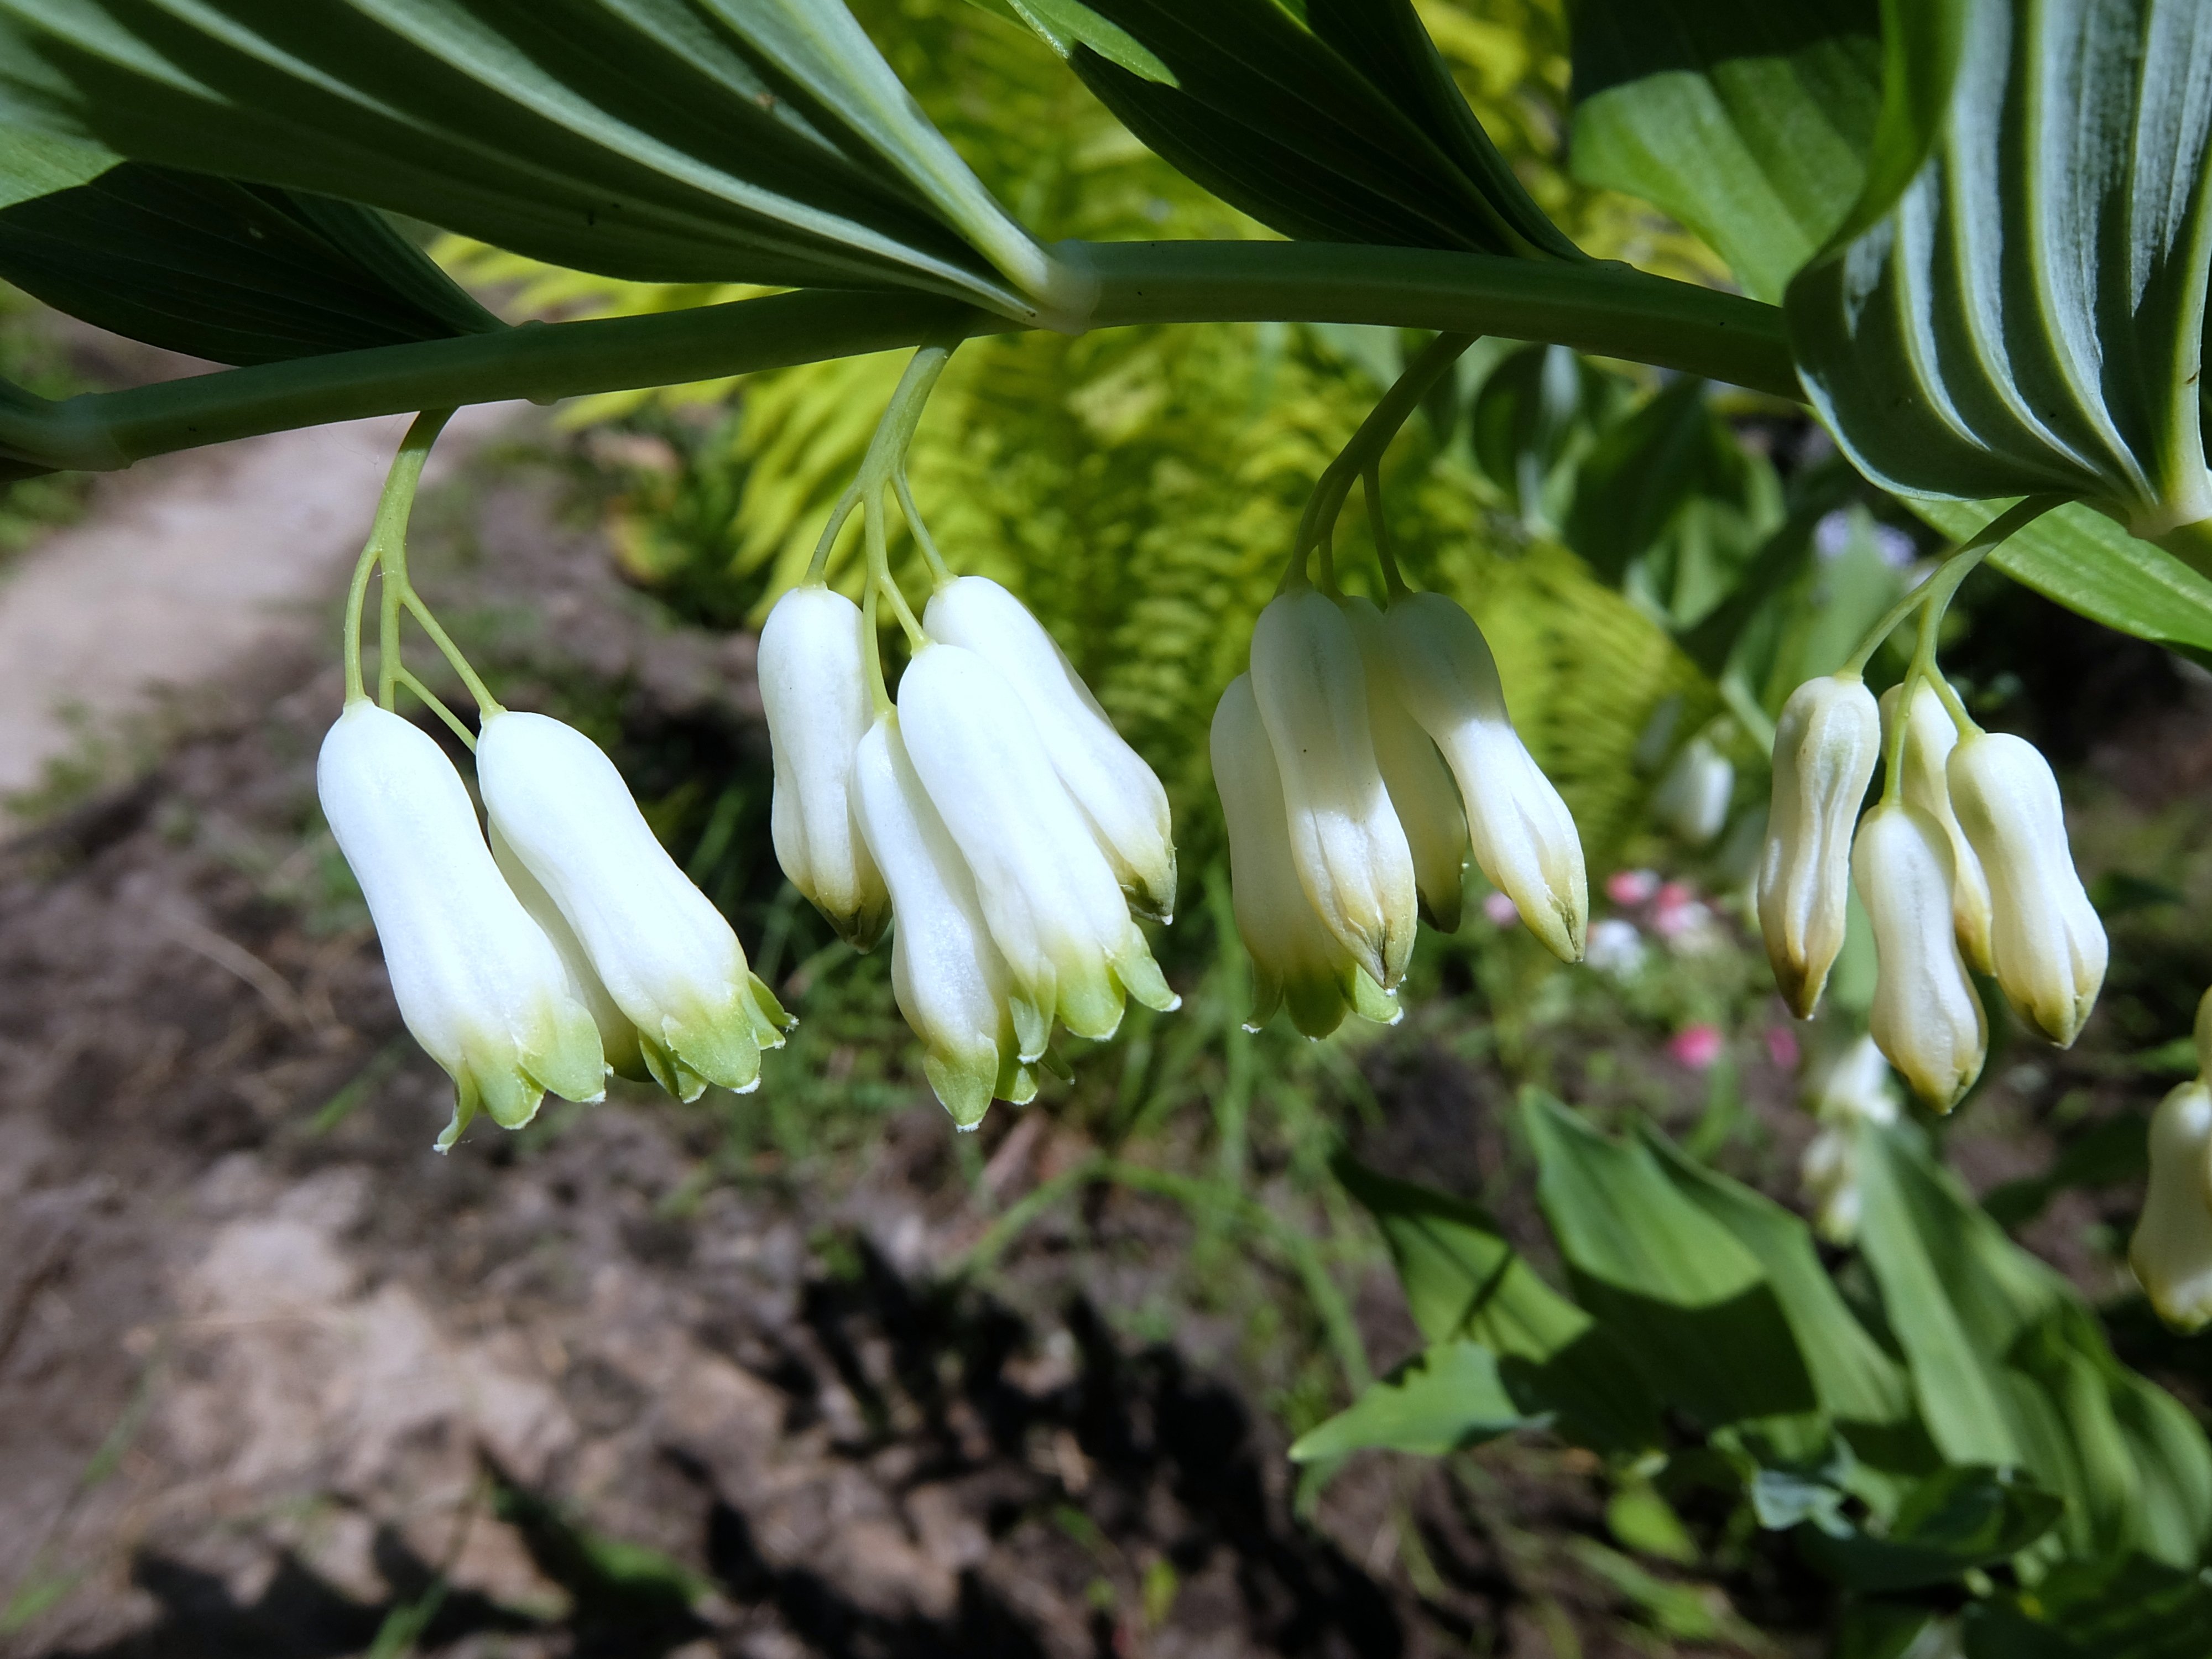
(1438, 1401)
(1067, 24)
(33, 164)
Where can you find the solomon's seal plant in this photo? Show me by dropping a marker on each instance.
(1970, 236)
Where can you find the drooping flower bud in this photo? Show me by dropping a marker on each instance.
(478, 983)
(1524, 837)
(2046, 941)
(1825, 748)
(666, 955)
(1422, 792)
(813, 683)
(1055, 909)
(1350, 850)
(618, 1035)
(951, 981)
(1295, 959)
(1693, 798)
(2171, 1250)
(1928, 740)
(1925, 1017)
(1126, 805)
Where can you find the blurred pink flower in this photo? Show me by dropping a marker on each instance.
(1782, 1047)
(1631, 886)
(1696, 1046)
(1501, 910)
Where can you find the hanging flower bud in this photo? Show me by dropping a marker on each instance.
(1118, 794)
(478, 984)
(665, 954)
(1422, 792)
(1926, 1018)
(1295, 958)
(2172, 1251)
(1350, 850)
(1692, 798)
(1054, 910)
(1825, 747)
(949, 980)
(1928, 740)
(2045, 940)
(813, 682)
(1524, 837)
(618, 1035)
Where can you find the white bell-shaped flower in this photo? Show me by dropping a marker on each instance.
(478, 983)
(951, 983)
(2171, 1250)
(666, 955)
(1692, 796)
(1928, 740)
(2046, 943)
(1351, 851)
(1422, 792)
(1524, 837)
(814, 689)
(1120, 795)
(1055, 909)
(1925, 1017)
(618, 1038)
(1826, 745)
(1295, 959)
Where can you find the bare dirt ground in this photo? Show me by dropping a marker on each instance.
(276, 1380)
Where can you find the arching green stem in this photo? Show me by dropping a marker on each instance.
(1944, 582)
(436, 705)
(388, 540)
(884, 466)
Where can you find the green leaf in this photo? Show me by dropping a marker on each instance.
(1463, 1280)
(1694, 1307)
(1340, 125)
(1438, 1401)
(1067, 24)
(1748, 120)
(2083, 559)
(1535, 417)
(725, 140)
(238, 273)
(1957, 1518)
(34, 164)
(2027, 317)
(2128, 1608)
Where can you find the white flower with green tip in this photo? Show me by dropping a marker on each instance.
(1925, 1017)
(666, 955)
(1929, 738)
(1825, 745)
(478, 983)
(1422, 792)
(618, 1038)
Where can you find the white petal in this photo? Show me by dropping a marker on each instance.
(1928, 740)
(1825, 745)
(1120, 795)
(2172, 1251)
(1925, 1016)
(813, 682)
(1422, 791)
(618, 1035)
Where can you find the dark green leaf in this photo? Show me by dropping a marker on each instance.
(1343, 125)
(2027, 317)
(238, 273)
(1436, 1402)
(687, 140)
(1957, 1518)
(1748, 120)
(2128, 1608)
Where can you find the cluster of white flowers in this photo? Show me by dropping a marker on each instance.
(1363, 755)
(1964, 861)
(567, 944)
(992, 815)
(2172, 1251)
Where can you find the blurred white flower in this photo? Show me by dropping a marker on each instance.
(1692, 798)
(1422, 791)
(1825, 745)
(2045, 940)
(1524, 838)
(1615, 947)
(1929, 738)
(1120, 795)
(2171, 1250)
(1054, 907)
(1849, 1091)
(814, 689)
(951, 981)
(1925, 1017)
(478, 983)
(1295, 960)
(1351, 851)
(665, 954)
